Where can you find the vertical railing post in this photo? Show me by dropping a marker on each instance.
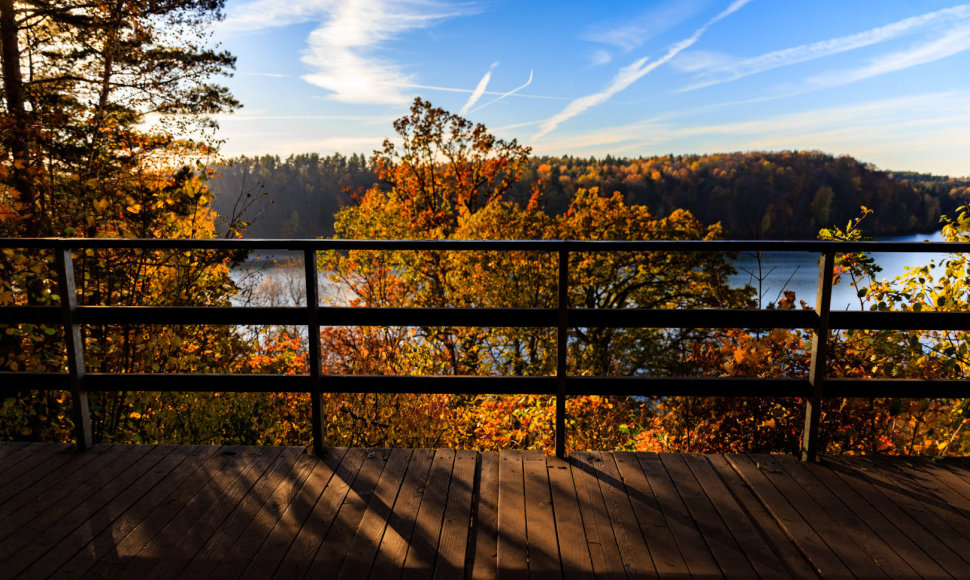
(75, 348)
(816, 373)
(561, 339)
(313, 348)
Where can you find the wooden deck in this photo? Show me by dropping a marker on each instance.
(260, 512)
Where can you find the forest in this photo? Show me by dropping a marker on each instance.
(755, 195)
(80, 159)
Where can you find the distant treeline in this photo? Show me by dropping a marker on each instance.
(784, 195)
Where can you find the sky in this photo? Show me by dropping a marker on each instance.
(883, 81)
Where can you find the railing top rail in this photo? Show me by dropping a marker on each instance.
(817, 246)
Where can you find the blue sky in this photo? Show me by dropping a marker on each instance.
(884, 81)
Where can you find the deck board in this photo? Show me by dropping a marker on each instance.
(604, 553)
(230, 512)
(455, 539)
(484, 542)
(426, 531)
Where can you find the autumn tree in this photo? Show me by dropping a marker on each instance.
(449, 180)
(106, 127)
(873, 425)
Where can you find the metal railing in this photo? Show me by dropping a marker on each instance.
(313, 316)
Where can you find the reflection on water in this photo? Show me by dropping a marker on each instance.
(277, 279)
(798, 271)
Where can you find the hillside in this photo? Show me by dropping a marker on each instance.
(783, 195)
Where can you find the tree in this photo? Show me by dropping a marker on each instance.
(106, 128)
(449, 180)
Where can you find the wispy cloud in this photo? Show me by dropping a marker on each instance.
(634, 31)
(718, 73)
(632, 73)
(344, 51)
(469, 91)
(505, 94)
(479, 90)
(260, 14)
(600, 57)
(871, 131)
(952, 42)
(258, 74)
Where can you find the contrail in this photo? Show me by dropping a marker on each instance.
(479, 90)
(503, 95)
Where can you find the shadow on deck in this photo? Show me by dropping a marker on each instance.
(131, 511)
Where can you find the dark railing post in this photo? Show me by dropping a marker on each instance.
(75, 348)
(561, 340)
(816, 373)
(313, 348)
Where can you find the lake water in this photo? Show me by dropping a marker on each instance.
(798, 271)
(277, 279)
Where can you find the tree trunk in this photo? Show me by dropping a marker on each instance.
(16, 137)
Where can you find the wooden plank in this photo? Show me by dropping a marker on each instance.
(914, 469)
(264, 501)
(257, 480)
(948, 526)
(32, 464)
(637, 560)
(484, 541)
(715, 532)
(575, 557)
(426, 530)
(512, 547)
(268, 539)
(653, 527)
(43, 481)
(363, 512)
(697, 556)
(7, 449)
(190, 528)
(53, 521)
(56, 491)
(915, 558)
(394, 546)
(852, 549)
(856, 528)
(603, 551)
(455, 534)
(543, 546)
(951, 473)
(792, 559)
(104, 518)
(14, 453)
(808, 541)
(106, 542)
(58, 521)
(763, 561)
(163, 511)
(360, 553)
(904, 519)
(295, 539)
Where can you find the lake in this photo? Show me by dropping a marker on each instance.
(278, 277)
(798, 271)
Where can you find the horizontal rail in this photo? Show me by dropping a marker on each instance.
(490, 317)
(815, 246)
(439, 384)
(492, 385)
(644, 386)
